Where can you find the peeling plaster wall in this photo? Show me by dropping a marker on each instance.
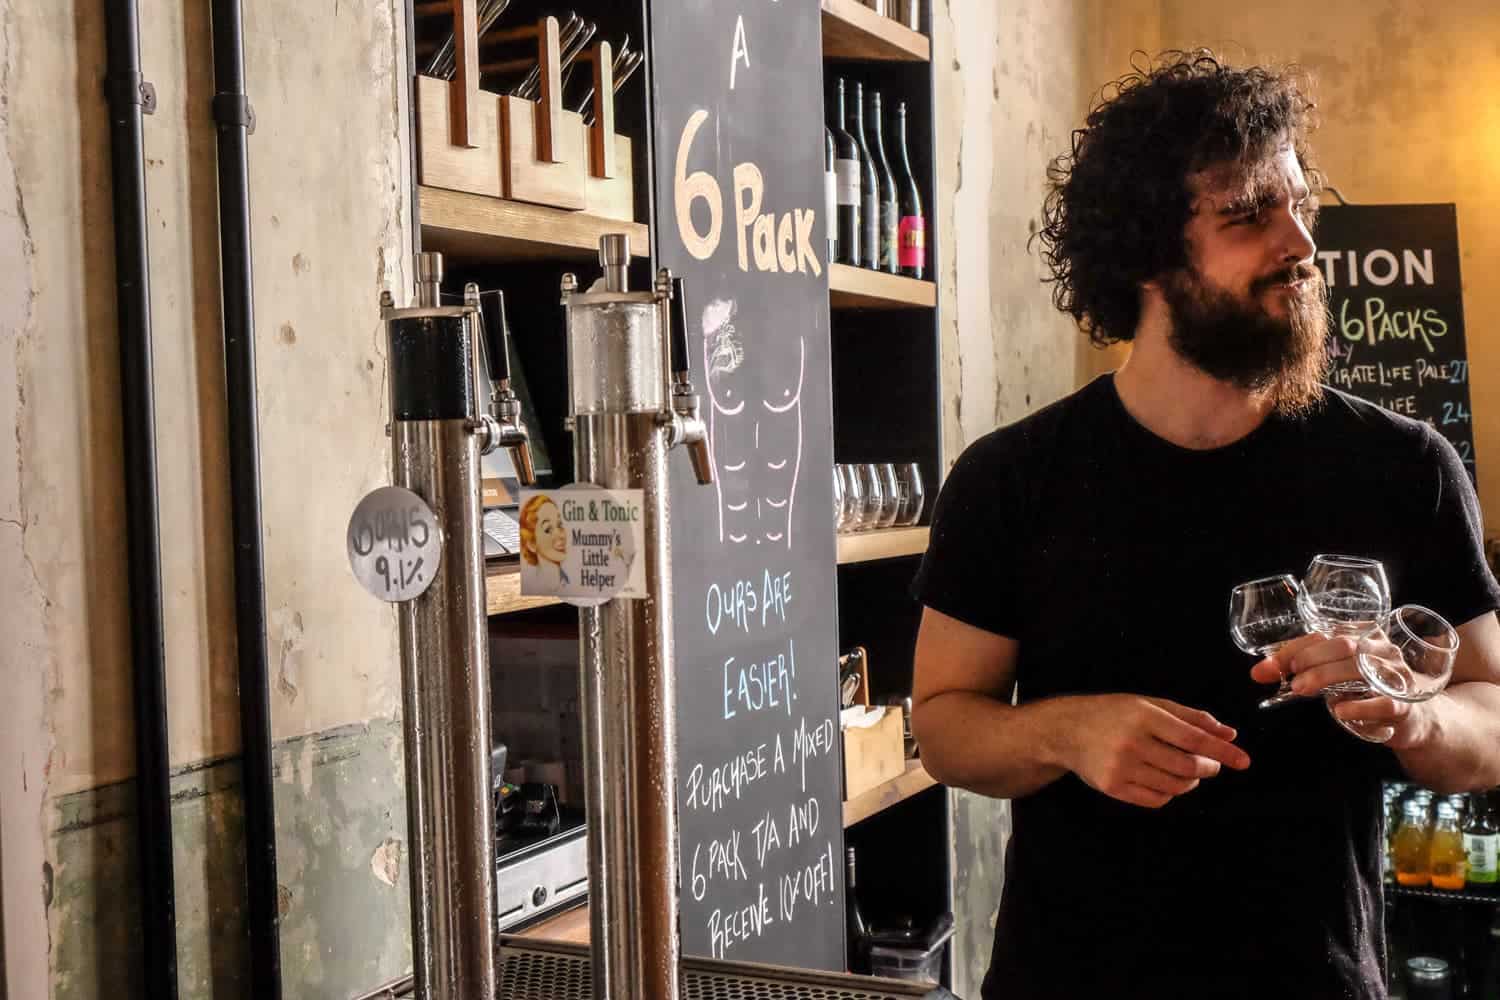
(1013, 81)
(1406, 93)
(329, 177)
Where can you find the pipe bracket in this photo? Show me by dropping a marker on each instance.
(234, 110)
(129, 89)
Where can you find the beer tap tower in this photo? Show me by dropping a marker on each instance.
(631, 401)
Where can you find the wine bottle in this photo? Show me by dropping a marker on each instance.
(1482, 842)
(846, 167)
(869, 186)
(889, 221)
(830, 195)
(855, 928)
(911, 233)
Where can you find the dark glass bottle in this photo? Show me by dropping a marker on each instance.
(911, 235)
(855, 928)
(889, 221)
(830, 195)
(869, 185)
(1481, 842)
(846, 168)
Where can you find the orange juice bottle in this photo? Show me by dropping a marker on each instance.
(1447, 859)
(1411, 845)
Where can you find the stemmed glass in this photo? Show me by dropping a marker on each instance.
(839, 510)
(909, 477)
(854, 498)
(874, 495)
(1409, 658)
(1263, 615)
(890, 500)
(1344, 595)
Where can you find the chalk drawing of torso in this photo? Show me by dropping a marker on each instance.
(755, 433)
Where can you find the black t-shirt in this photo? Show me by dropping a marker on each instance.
(1109, 553)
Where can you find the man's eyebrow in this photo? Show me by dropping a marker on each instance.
(1252, 202)
(1246, 204)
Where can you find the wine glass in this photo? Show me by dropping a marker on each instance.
(854, 498)
(1344, 595)
(840, 510)
(1263, 615)
(890, 500)
(874, 495)
(1410, 658)
(909, 476)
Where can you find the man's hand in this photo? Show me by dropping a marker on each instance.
(1314, 662)
(1145, 751)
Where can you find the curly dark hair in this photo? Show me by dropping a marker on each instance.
(1117, 203)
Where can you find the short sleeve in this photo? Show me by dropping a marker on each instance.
(972, 563)
(1449, 572)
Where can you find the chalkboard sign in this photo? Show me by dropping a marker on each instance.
(739, 208)
(1397, 329)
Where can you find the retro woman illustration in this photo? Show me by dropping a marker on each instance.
(544, 542)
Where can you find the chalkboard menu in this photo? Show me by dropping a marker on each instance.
(738, 137)
(1397, 330)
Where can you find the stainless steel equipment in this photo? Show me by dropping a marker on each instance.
(631, 400)
(437, 433)
(546, 970)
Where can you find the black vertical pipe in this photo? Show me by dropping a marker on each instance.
(232, 116)
(138, 430)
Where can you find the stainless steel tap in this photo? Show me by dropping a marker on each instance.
(502, 426)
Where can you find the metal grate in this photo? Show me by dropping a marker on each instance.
(702, 986)
(547, 974)
(532, 975)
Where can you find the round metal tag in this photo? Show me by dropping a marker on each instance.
(395, 544)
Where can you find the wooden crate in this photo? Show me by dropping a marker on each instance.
(537, 152)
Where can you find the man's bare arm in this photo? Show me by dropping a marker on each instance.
(1140, 750)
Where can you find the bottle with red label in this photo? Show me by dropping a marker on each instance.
(912, 226)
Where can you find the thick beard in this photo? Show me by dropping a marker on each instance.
(1239, 342)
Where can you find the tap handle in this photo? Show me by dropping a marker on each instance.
(496, 334)
(678, 338)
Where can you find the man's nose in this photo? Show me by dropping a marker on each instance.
(1296, 242)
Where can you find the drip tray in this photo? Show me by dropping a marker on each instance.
(546, 970)
(552, 970)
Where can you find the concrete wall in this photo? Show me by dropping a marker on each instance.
(328, 182)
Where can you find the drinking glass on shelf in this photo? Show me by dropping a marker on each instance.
(890, 500)
(1263, 614)
(1409, 658)
(840, 512)
(909, 479)
(854, 498)
(874, 495)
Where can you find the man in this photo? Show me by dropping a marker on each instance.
(1170, 839)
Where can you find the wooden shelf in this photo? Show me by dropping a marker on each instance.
(885, 543)
(570, 926)
(503, 580)
(459, 224)
(502, 590)
(853, 31)
(861, 288)
(882, 797)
